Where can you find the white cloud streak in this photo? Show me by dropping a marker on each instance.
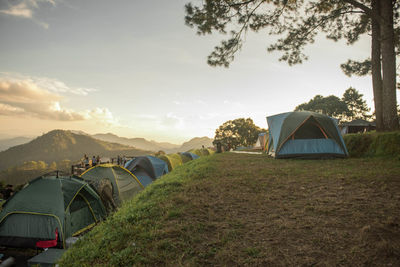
(49, 84)
(20, 10)
(25, 9)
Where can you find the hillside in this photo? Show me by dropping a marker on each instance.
(196, 143)
(10, 142)
(249, 210)
(139, 143)
(58, 145)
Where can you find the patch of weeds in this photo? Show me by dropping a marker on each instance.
(174, 213)
(253, 252)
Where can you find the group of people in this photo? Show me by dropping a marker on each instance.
(90, 163)
(120, 160)
(86, 162)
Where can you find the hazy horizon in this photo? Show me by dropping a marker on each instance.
(134, 69)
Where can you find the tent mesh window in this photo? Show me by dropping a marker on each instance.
(310, 129)
(81, 215)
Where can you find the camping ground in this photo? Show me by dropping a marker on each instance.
(242, 209)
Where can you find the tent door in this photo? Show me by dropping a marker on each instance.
(81, 214)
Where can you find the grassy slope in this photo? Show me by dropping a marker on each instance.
(239, 209)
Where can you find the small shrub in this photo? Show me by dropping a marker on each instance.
(373, 144)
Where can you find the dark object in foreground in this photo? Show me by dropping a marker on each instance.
(47, 258)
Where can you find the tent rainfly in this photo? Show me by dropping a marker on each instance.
(172, 160)
(46, 203)
(304, 134)
(261, 141)
(190, 155)
(147, 168)
(125, 184)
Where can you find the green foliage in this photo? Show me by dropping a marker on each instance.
(238, 132)
(31, 169)
(352, 106)
(296, 22)
(331, 105)
(373, 144)
(357, 68)
(356, 106)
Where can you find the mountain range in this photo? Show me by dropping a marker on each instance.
(140, 143)
(58, 145)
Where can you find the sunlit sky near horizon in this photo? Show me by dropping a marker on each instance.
(135, 69)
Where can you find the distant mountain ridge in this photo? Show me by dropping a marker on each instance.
(58, 145)
(195, 143)
(141, 143)
(10, 142)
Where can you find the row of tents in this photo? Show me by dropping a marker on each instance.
(73, 204)
(66, 206)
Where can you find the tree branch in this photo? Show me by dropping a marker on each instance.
(366, 9)
(241, 3)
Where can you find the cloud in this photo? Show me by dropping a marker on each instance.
(25, 9)
(171, 120)
(103, 115)
(8, 110)
(29, 99)
(19, 10)
(46, 83)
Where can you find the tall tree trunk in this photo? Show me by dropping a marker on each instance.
(376, 65)
(390, 119)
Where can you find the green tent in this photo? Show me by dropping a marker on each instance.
(125, 184)
(304, 134)
(172, 160)
(185, 158)
(202, 151)
(46, 203)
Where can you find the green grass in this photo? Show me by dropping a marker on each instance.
(373, 144)
(241, 209)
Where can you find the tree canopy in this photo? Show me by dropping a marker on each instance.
(331, 105)
(357, 107)
(350, 107)
(298, 22)
(238, 132)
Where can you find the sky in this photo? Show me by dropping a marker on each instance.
(135, 69)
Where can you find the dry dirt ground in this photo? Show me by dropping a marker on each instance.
(259, 211)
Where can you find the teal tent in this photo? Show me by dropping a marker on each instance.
(190, 155)
(46, 203)
(147, 168)
(304, 134)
